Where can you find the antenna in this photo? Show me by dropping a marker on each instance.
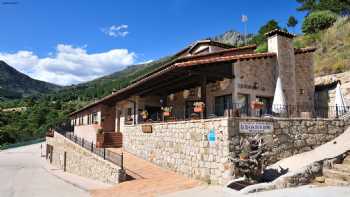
(244, 20)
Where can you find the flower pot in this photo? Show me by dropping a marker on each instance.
(243, 156)
(198, 109)
(166, 113)
(256, 105)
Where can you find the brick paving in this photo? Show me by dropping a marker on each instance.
(149, 180)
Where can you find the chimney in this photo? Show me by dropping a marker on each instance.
(281, 43)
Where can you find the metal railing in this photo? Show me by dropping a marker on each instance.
(104, 153)
(244, 110)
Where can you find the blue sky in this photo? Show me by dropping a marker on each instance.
(57, 41)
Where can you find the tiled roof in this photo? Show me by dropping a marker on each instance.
(305, 50)
(279, 32)
(225, 58)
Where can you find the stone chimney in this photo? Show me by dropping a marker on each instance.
(281, 43)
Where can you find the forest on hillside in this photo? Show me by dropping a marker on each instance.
(326, 26)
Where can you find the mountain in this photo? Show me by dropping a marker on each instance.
(14, 84)
(232, 37)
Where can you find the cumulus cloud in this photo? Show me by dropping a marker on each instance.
(116, 31)
(69, 64)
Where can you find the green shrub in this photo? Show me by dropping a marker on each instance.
(262, 48)
(318, 21)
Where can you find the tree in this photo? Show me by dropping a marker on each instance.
(318, 21)
(260, 39)
(292, 22)
(341, 7)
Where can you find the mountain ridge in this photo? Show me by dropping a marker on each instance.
(14, 84)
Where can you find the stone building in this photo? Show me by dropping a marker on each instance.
(223, 78)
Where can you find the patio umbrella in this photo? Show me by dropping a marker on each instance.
(279, 101)
(339, 101)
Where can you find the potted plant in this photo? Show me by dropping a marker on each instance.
(144, 114)
(256, 105)
(198, 106)
(167, 111)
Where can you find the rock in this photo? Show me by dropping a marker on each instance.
(320, 179)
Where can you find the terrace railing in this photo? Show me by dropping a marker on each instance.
(104, 153)
(244, 110)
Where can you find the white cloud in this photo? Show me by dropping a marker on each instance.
(69, 64)
(116, 31)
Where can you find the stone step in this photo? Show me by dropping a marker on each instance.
(342, 167)
(335, 174)
(336, 182)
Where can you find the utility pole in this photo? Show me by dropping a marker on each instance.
(244, 20)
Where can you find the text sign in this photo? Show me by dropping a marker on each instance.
(255, 127)
(146, 128)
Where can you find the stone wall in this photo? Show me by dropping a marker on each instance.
(304, 73)
(184, 147)
(82, 162)
(292, 136)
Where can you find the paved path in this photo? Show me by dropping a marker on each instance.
(150, 180)
(304, 191)
(23, 174)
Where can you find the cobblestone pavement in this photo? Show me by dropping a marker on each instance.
(149, 180)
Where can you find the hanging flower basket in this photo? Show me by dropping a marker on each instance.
(198, 107)
(186, 94)
(256, 105)
(144, 114)
(166, 111)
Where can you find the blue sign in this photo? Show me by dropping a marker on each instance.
(211, 136)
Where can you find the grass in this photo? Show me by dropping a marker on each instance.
(7, 146)
(333, 48)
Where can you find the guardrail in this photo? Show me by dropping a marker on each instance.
(102, 152)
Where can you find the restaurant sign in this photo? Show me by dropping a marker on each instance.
(255, 127)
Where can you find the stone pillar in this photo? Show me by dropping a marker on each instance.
(281, 43)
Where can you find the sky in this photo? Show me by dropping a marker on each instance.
(68, 42)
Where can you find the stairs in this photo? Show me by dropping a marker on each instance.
(113, 140)
(338, 174)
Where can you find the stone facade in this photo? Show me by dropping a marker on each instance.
(283, 47)
(293, 136)
(81, 162)
(184, 147)
(305, 86)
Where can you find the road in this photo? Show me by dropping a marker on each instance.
(23, 174)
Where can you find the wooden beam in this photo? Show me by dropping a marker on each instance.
(204, 93)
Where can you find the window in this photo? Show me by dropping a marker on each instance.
(94, 118)
(223, 104)
(89, 119)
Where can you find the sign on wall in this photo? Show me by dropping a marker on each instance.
(146, 128)
(211, 136)
(255, 127)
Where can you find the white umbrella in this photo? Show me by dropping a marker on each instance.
(339, 101)
(279, 101)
